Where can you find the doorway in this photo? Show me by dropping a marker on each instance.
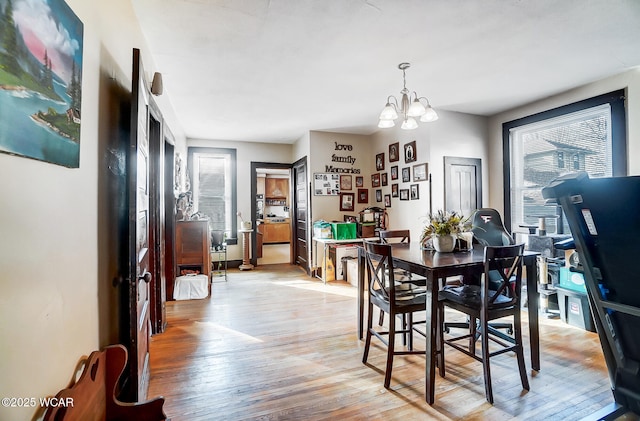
(271, 213)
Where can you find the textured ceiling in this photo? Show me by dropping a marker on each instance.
(269, 71)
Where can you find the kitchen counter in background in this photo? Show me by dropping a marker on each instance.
(275, 229)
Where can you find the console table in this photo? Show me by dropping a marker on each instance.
(325, 246)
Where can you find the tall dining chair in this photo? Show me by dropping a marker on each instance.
(483, 303)
(395, 236)
(400, 237)
(392, 298)
(488, 230)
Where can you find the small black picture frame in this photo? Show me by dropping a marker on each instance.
(384, 179)
(378, 195)
(375, 180)
(380, 161)
(346, 202)
(387, 200)
(415, 191)
(394, 154)
(394, 172)
(404, 194)
(410, 152)
(394, 190)
(406, 174)
(363, 195)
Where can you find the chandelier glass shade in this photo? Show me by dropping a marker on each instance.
(409, 107)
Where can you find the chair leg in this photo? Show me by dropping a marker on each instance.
(367, 341)
(519, 352)
(440, 339)
(473, 334)
(484, 340)
(390, 350)
(407, 320)
(381, 319)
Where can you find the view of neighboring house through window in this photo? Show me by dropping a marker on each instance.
(546, 148)
(214, 188)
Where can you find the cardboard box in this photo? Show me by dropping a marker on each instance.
(352, 274)
(336, 254)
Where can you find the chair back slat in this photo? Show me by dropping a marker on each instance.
(395, 236)
(380, 267)
(506, 261)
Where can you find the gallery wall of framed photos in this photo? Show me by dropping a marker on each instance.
(399, 173)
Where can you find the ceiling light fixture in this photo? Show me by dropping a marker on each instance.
(410, 106)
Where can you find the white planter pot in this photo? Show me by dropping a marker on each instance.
(444, 243)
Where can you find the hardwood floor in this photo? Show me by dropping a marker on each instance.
(274, 344)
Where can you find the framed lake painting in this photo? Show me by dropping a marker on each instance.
(41, 82)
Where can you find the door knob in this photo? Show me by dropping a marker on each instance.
(145, 277)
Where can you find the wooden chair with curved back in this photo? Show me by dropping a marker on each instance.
(488, 230)
(395, 236)
(399, 237)
(395, 299)
(483, 303)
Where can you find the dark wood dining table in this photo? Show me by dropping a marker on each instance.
(435, 266)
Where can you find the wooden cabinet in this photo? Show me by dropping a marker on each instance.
(193, 246)
(279, 232)
(276, 188)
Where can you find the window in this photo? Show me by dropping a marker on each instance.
(213, 175)
(586, 136)
(576, 162)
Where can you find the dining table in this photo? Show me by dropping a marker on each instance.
(435, 266)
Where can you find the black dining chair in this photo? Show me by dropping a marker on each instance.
(401, 275)
(488, 230)
(395, 299)
(483, 303)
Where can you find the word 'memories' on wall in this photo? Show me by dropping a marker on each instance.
(341, 158)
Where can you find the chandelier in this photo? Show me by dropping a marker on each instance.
(410, 106)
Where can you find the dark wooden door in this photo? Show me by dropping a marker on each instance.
(140, 255)
(301, 214)
(171, 186)
(462, 184)
(157, 219)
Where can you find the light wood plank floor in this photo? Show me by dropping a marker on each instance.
(274, 344)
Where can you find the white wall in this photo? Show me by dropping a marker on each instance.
(629, 80)
(301, 147)
(247, 152)
(322, 151)
(453, 134)
(50, 229)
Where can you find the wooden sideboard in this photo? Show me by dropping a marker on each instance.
(193, 246)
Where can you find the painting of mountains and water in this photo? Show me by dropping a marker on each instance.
(40, 80)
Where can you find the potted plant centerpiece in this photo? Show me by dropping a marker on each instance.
(443, 228)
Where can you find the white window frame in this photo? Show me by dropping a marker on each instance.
(615, 101)
(230, 190)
